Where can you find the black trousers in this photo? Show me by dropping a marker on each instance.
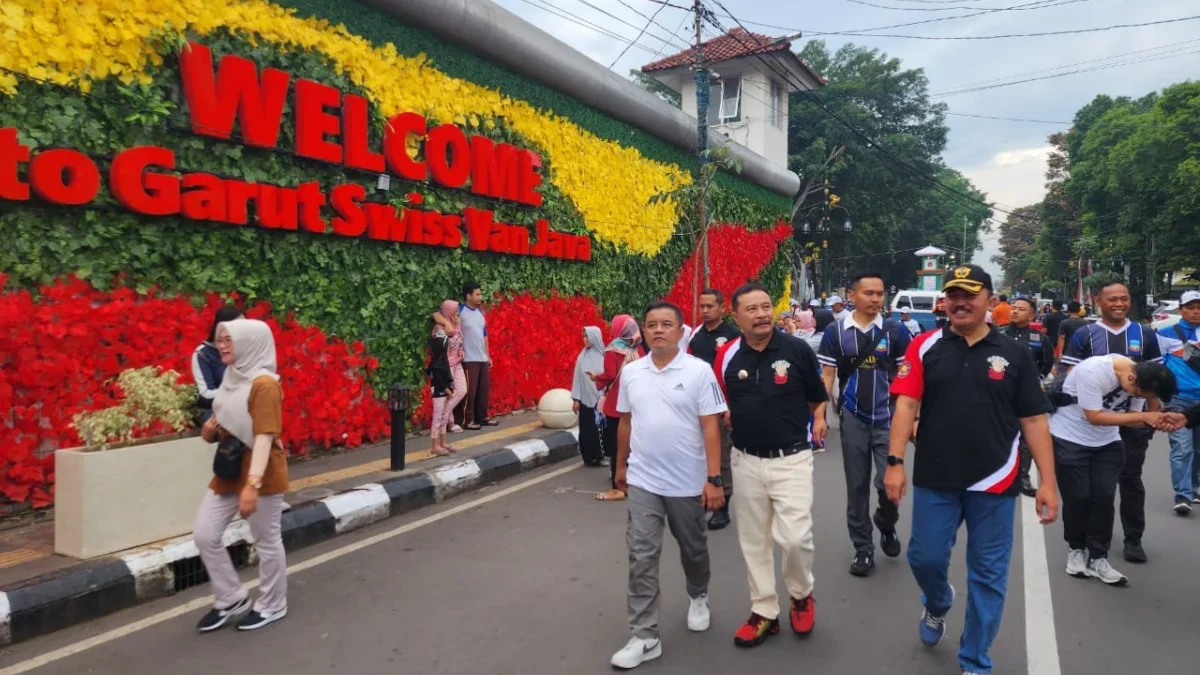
(1133, 491)
(1087, 479)
(590, 449)
(610, 447)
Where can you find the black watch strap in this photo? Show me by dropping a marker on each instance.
(717, 481)
(893, 460)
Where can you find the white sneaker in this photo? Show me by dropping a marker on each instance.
(1102, 570)
(456, 429)
(636, 652)
(1077, 563)
(698, 614)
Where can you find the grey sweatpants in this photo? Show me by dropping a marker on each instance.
(648, 513)
(863, 446)
(266, 526)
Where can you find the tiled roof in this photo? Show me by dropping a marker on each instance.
(737, 42)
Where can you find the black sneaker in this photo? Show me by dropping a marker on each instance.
(862, 564)
(720, 519)
(1134, 552)
(219, 617)
(1183, 507)
(890, 543)
(254, 620)
(1196, 498)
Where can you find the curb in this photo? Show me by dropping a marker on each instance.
(92, 589)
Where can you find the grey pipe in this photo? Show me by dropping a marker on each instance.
(490, 31)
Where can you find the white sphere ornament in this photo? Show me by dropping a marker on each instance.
(555, 409)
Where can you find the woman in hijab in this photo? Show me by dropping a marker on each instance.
(441, 384)
(626, 347)
(446, 341)
(207, 369)
(250, 478)
(586, 397)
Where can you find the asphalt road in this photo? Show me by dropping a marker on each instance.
(533, 582)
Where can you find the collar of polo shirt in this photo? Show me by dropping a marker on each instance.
(877, 322)
(676, 363)
(992, 336)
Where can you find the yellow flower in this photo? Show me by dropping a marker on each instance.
(785, 295)
(609, 184)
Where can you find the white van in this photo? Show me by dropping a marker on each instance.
(918, 301)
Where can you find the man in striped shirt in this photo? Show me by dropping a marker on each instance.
(862, 350)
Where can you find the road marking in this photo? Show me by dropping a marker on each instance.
(417, 456)
(21, 555)
(1041, 641)
(201, 603)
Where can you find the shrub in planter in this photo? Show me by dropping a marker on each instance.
(154, 400)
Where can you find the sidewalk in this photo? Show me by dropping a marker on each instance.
(41, 592)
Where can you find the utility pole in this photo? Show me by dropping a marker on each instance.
(700, 77)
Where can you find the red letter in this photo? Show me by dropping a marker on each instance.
(584, 252)
(540, 247)
(529, 178)
(355, 136)
(240, 194)
(66, 177)
(395, 139)
(311, 201)
(519, 238)
(136, 189)
(431, 228)
(448, 155)
(276, 207)
(494, 169)
(12, 154)
(236, 91)
(207, 201)
(479, 223)
(313, 124)
(350, 220)
(451, 232)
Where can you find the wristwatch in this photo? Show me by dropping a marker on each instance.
(254, 482)
(716, 481)
(893, 460)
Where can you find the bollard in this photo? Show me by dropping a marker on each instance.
(398, 405)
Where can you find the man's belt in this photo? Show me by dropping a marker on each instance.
(772, 453)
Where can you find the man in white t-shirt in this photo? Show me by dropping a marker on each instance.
(1099, 395)
(669, 463)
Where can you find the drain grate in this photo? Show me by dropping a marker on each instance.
(190, 572)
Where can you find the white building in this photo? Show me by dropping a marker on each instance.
(751, 77)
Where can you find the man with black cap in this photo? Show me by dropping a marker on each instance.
(977, 392)
(1043, 356)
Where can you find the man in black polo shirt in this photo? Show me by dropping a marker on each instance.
(1043, 357)
(977, 391)
(773, 386)
(1114, 333)
(706, 340)
(1053, 321)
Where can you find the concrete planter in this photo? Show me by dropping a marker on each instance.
(111, 500)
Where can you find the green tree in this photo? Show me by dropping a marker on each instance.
(1018, 235)
(655, 87)
(895, 210)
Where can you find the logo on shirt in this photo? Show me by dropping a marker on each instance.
(679, 387)
(904, 370)
(997, 366)
(882, 347)
(1035, 337)
(781, 371)
(1135, 345)
(721, 342)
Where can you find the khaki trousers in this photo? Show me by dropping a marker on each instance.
(216, 511)
(774, 506)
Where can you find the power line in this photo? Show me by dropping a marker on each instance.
(975, 9)
(1036, 4)
(576, 19)
(1007, 119)
(973, 37)
(614, 16)
(639, 36)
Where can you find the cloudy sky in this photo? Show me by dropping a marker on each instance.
(1006, 159)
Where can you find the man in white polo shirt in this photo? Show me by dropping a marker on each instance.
(669, 463)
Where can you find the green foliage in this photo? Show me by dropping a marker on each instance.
(380, 293)
(893, 210)
(152, 395)
(662, 91)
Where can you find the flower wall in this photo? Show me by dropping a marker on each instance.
(60, 350)
(736, 255)
(104, 76)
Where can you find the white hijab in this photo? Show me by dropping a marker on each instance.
(591, 358)
(254, 357)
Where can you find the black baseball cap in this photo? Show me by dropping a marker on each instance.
(970, 278)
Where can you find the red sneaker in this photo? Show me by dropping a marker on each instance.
(755, 631)
(804, 615)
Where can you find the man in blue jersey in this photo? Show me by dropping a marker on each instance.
(1181, 347)
(862, 351)
(1114, 333)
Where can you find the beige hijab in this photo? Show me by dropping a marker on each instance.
(254, 357)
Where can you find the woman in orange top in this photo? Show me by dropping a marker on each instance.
(250, 477)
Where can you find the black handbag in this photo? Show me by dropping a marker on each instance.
(227, 463)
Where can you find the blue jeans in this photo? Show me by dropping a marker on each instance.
(1185, 469)
(989, 518)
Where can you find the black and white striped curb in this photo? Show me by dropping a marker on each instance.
(92, 589)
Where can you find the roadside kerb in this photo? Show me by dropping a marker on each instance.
(92, 589)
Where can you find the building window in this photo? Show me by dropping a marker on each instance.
(778, 103)
(731, 100)
(714, 105)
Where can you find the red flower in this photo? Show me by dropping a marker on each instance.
(743, 255)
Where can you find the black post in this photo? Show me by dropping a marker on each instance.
(398, 405)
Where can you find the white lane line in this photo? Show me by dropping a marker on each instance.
(201, 603)
(1041, 641)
